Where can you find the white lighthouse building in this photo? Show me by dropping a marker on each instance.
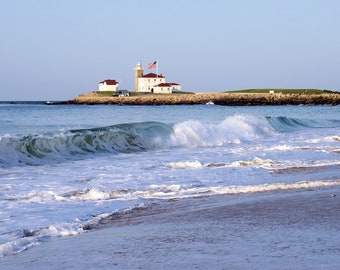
(138, 73)
(152, 83)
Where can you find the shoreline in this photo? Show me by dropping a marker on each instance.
(225, 99)
(206, 232)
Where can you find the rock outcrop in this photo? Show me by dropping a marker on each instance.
(227, 99)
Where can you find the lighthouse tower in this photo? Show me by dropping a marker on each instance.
(138, 73)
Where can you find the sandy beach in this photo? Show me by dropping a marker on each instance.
(229, 99)
(205, 233)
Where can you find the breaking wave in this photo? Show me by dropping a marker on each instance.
(37, 149)
(56, 147)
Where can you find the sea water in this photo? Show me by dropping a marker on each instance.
(66, 168)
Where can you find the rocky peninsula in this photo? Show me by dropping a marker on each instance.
(227, 99)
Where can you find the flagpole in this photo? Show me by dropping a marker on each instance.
(157, 67)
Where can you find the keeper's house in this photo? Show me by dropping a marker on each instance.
(108, 85)
(147, 82)
(166, 88)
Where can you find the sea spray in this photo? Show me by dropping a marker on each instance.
(234, 129)
(60, 146)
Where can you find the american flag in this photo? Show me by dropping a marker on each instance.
(152, 65)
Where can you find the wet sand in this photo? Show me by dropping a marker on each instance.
(281, 230)
(228, 99)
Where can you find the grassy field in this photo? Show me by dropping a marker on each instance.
(132, 93)
(259, 90)
(284, 91)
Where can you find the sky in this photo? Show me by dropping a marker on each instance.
(57, 49)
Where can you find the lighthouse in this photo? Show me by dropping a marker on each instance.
(138, 73)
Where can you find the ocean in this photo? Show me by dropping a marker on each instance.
(170, 187)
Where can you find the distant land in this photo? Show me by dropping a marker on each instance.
(285, 91)
(248, 97)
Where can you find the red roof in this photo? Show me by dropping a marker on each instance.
(109, 82)
(152, 75)
(166, 84)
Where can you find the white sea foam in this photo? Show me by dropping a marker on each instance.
(184, 191)
(293, 167)
(258, 162)
(282, 147)
(334, 138)
(16, 246)
(5, 187)
(185, 165)
(155, 191)
(254, 162)
(35, 197)
(168, 192)
(33, 237)
(274, 187)
(235, 129)
(92, 194)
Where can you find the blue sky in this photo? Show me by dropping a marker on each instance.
(57, 49)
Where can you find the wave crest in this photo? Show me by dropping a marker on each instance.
(234, 129)
(37, 149)
(56, 147)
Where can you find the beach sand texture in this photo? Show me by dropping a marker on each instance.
(261, 231)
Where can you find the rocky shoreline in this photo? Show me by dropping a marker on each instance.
(227, 99)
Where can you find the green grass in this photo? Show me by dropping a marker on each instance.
(133, 93)
(110, 93)
(105, 93)
(284, 91)
(181, 92)
(259, 90)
